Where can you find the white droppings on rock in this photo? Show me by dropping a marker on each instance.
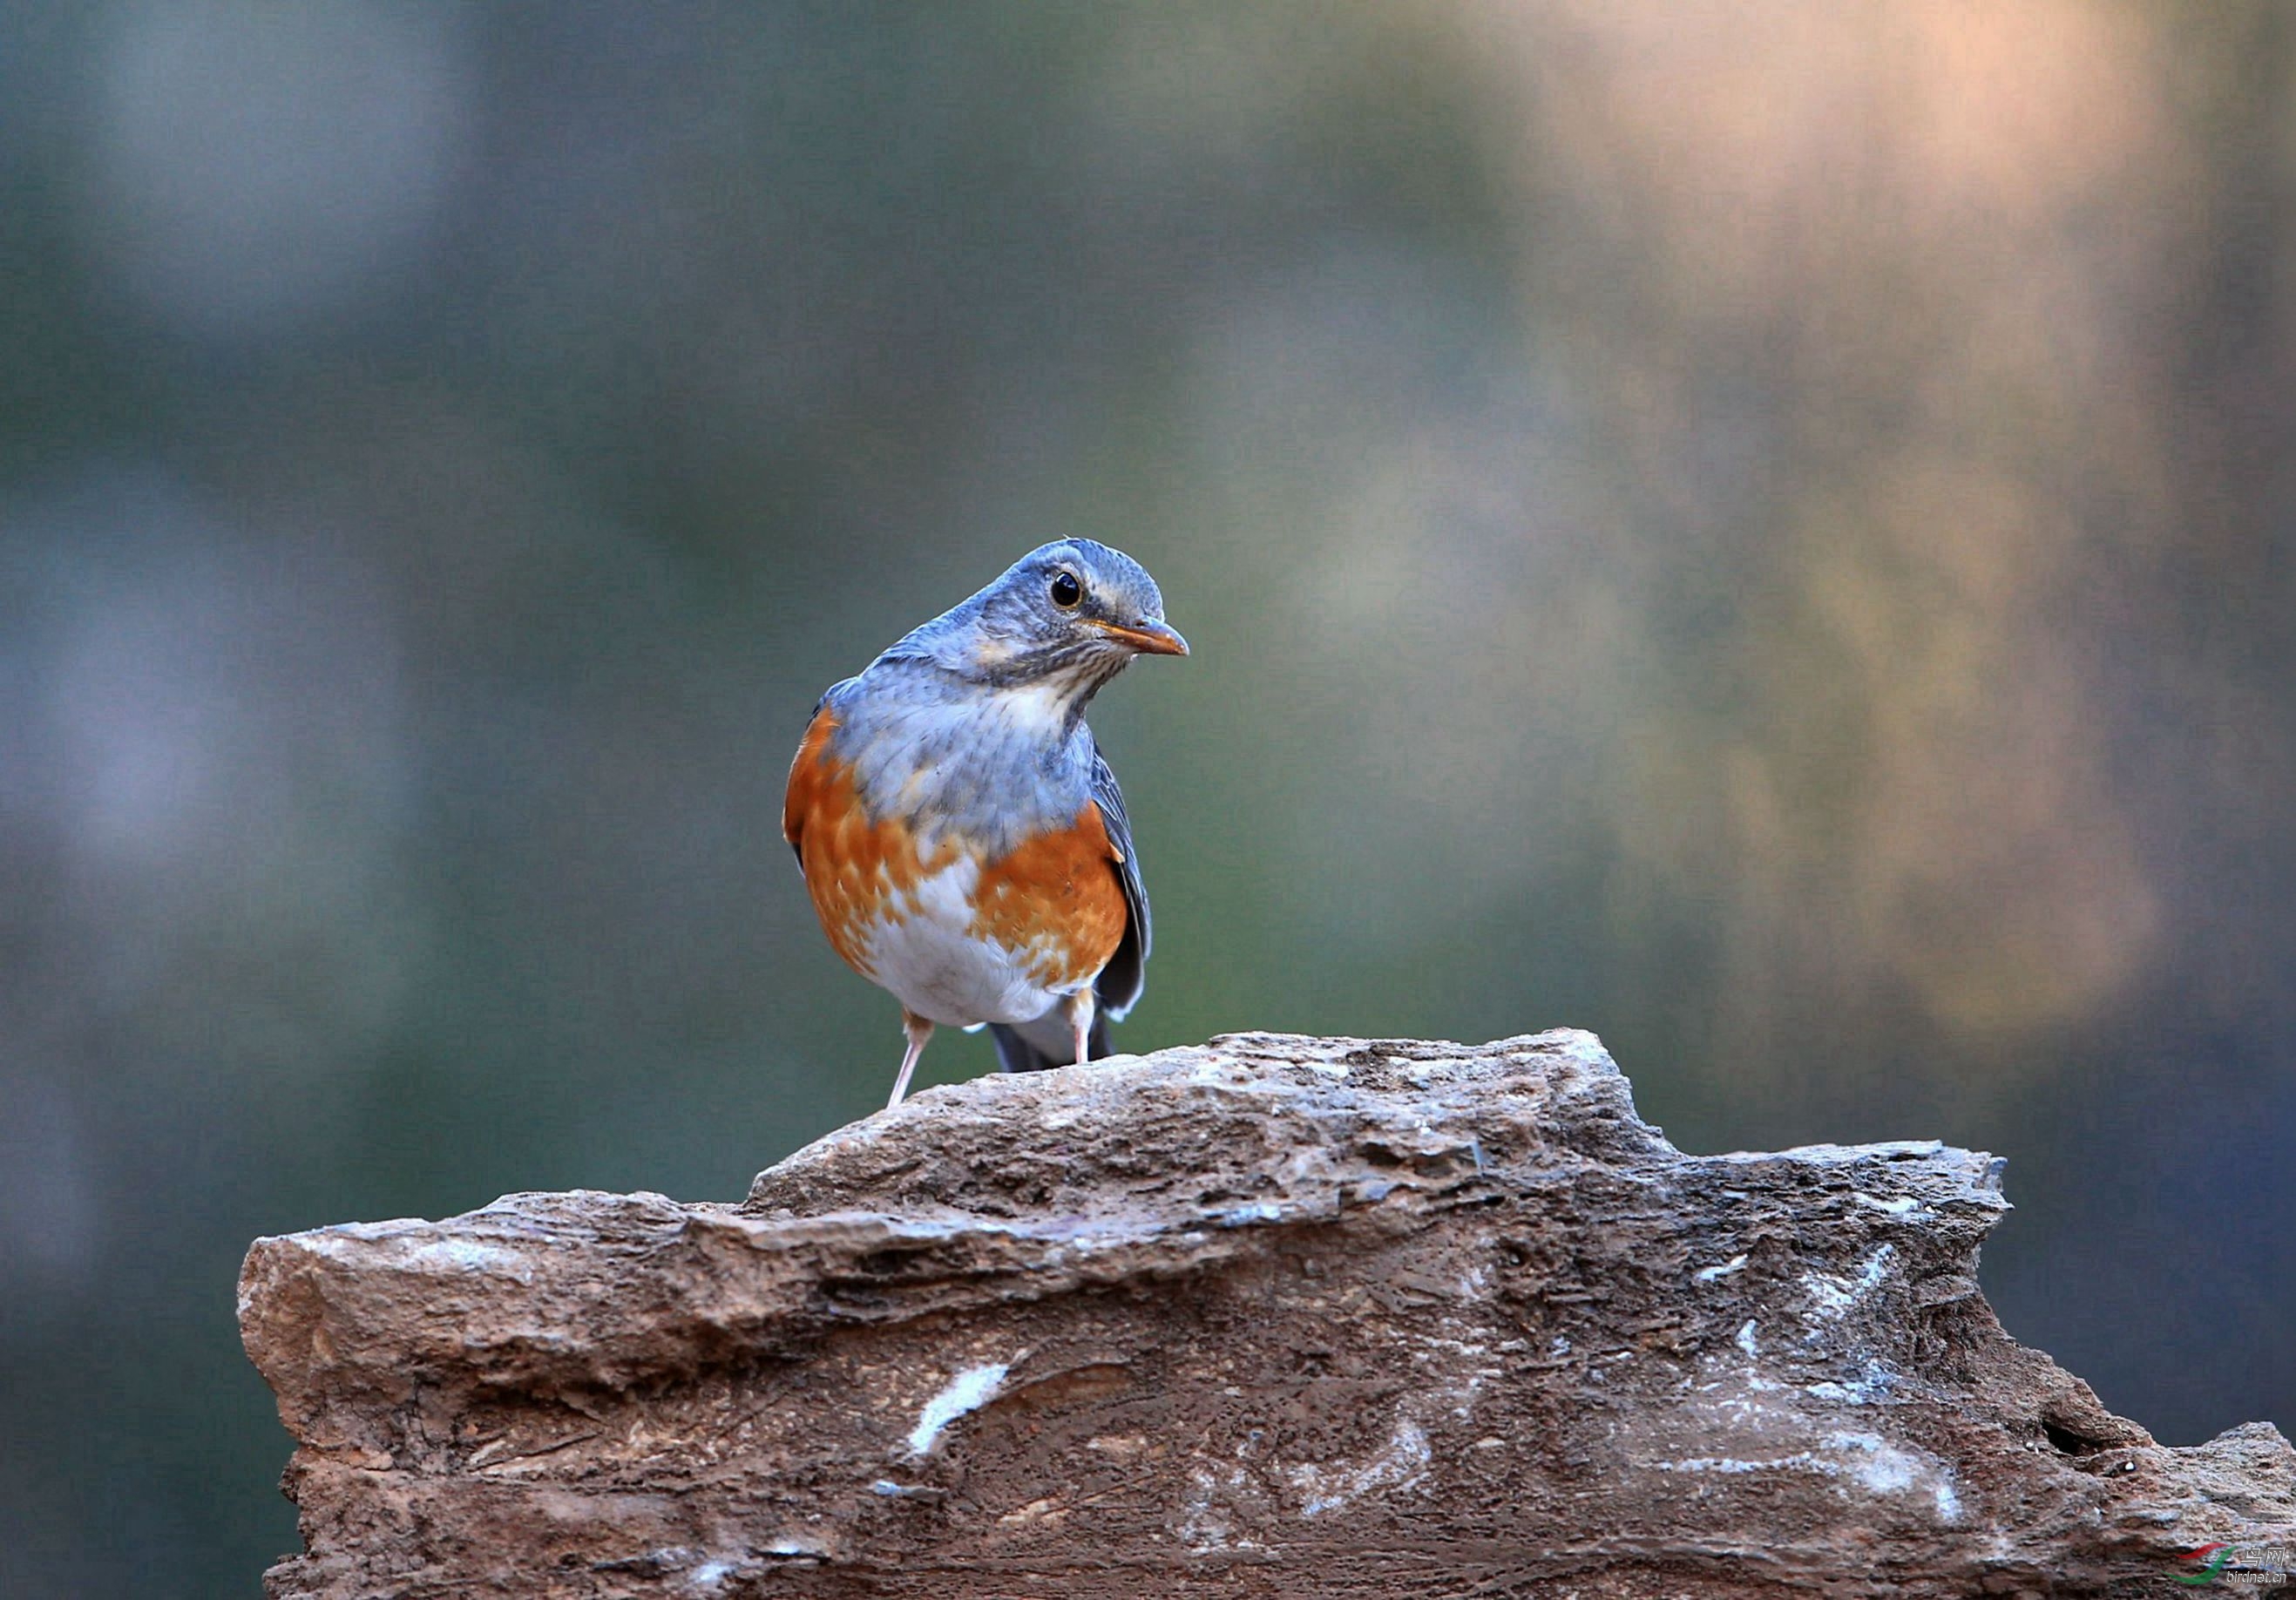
(1888, 1469)
(1830, 1296)
(969, 1390)
(1403, 1462)
(1243, 1216)
(1707, 1275)
(1731, 1463)
(1874, 1462)
(1840, 1154)
(470, 1255)
(1870, 1386)
(1897, 1205)
(1867, 1460)
(422, 1248)
(1203, 1522)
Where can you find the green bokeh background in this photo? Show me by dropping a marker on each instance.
(1763, 530)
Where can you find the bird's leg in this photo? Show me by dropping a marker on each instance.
(919, 1031)
(1080, 1008)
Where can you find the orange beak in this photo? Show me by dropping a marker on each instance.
(1148, 636)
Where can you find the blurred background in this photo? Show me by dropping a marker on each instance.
(1764, 531)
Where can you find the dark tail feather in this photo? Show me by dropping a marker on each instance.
(1017, 1055)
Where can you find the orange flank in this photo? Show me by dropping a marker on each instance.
(1057, 896)
(1060, 892)
(852, 866)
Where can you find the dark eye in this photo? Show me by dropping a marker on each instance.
(1066, 590)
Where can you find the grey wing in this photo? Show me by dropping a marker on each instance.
(1121, 981)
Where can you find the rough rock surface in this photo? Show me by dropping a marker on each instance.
(1274, 1315)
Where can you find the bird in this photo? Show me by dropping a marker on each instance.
(961, 836)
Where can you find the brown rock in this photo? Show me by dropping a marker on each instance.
(1271, 1317)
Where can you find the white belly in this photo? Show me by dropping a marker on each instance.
(922, 952)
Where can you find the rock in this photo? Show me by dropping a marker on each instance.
(1274, 1315)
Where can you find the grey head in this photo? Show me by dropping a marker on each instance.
(1066, 616)
(975, 721)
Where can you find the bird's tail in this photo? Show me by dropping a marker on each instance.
(1046, 1043)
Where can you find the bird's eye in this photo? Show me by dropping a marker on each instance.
(1066, 590)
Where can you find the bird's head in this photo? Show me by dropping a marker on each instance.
(1068, 616)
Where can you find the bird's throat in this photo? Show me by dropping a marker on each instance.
(1049, 707)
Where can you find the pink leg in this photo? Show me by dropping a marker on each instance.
(919, 1031)
(1080, 1019)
